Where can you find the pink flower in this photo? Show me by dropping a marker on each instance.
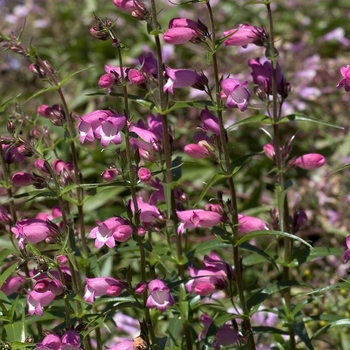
(182, 30)
(124, 345)
(110, 174)
(210, 121)
(50, 342)
(225, 336)
(262, 76)
(345, 72)
(45, 111)
(70, 340)
(197, 218)
(243, 35)
(104, 232)
(196, 151)
(247, 224)
(23, 179)
(236, 93)
(308, 161)
(124, 5)
(149, 212)
(109, 130)
(99, 286)
(140, 288)
(160, 296)
(32, 230)
(136, 77)
(346, 255)
(11, 154)
(36, 301)
(269, 151)
(180, 78)
(11, 285)
(89, 123)
(211, 278)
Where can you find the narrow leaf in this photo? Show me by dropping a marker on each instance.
(304, 118)
(340, 323)
(7, 273)
(258, 233)
(254, 119)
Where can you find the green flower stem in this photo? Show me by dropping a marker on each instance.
(162, 97)
(77, 174)
(246, 326)
(7, 185)
(137, 222)
(284, 222)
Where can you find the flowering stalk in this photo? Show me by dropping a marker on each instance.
(247, 332)
(168, 172)
(284, 216)
(77, 173)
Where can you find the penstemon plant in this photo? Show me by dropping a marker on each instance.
(144, 256)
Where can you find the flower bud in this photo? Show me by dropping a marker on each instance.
(308, 161)
(269, 151)
(141, 231)
(122, 233)
(106, 80)
(140, 11)
(37, 70)
(141, 287)
(5, 216)
(144, 174)
(23, 179)
(42, 166)
(110, 174)
(45, 111)
(11, 127)
(136, 77)
(62, 260)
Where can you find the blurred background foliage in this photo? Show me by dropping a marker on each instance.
(313, 40)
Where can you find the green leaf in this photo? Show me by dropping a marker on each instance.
(252, 259)
(340, 285)
(19, 345)
(7, 273)
(254, 119)
(16, 331)
(264, 293)
(301, 332)
(302, 255)
(66, 78)
(339, 323)
(4, 253)
(258, 233)
(40, 92)
(339, 169)
(212, 181)
(304, 118)
(238, 162)
(175, 327)
(199, 104)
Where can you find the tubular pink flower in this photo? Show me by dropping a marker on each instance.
(345, 72)
(96, 287)
(210, 121)
(197, 218)
(50, 342)
(23, 179)
(237, 94)
(124, 5)
(149, 212)
(179, 78)
(103, 233)
(247, 224)
(178, 35)
(36, 301)
(196, 151)
(32, 230)
(214, 276)
(243, 35)
(308, 161)
(11, 285)
(160, 296)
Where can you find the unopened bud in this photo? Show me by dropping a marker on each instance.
(37, 70)
(260, 93)
(110, 174)
(48, 66)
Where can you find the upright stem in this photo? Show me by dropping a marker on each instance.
(284, 220)
(162, 98)
(246, 326)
